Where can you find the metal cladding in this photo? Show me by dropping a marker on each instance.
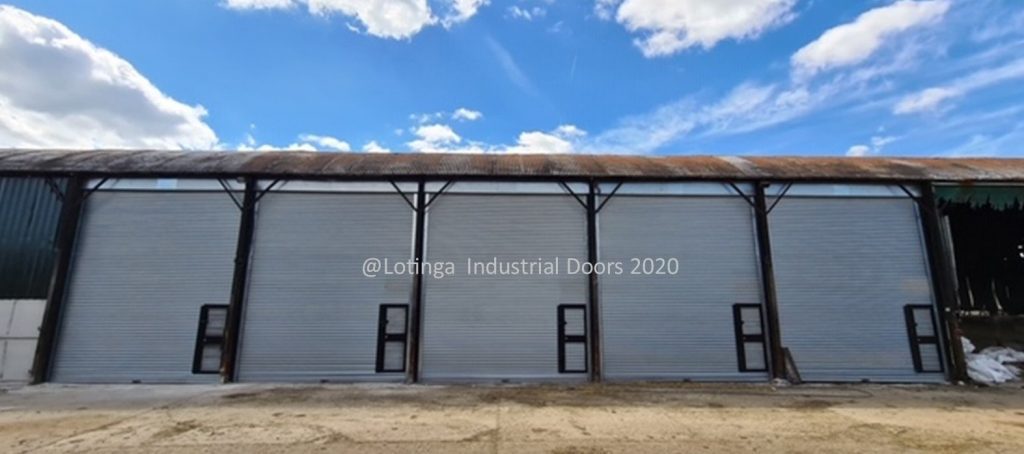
(29, 212)
(323, 165)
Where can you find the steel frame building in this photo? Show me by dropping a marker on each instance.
(183, 267)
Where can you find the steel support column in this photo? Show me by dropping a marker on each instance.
(771, 302)
(240, 282)
(592, 291)
(943, 280)
(416, 312)
(67, 231)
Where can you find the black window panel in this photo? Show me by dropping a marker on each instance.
(210, 339)
(572, 339)
(751, 343)
(922, 329)
(392, 337)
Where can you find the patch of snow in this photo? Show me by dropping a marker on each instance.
(989, 366)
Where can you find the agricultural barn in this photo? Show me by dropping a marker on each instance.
(196, 267)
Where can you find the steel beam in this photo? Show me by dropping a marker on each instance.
(416, 313)
(67, 231)
(592, 291)
(943, 282)
(239, 283)
(771, 302)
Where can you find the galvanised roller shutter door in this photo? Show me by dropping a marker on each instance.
(500, 327)
(144, 264)
(844, 270)
(311, 315)
(681, 326)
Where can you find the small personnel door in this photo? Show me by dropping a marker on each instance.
(572, 339)
(924, 339)
(751, 348)
(393, 328)
(210, 339)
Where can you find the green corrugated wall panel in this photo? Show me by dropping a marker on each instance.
(29, 212)
(998, 197)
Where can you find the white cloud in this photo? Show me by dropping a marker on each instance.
(460, 114)
(422, 118)
(858, 151)
(259, 4)
(1004, 144)
(854, 42)
(374, 147)
(932, 98)
(670, 26)
(58, 90)
(305, 142)
(512, 70)
(747, 107)
(570, 131)
(753, 106)
(605, 9)
(301, 147)
(924, 101)
(464, 114)
(434, 138)
(562, 140)
(394, 19)
(867, 87)
(441, 138)
(326, 142)
(461, 11)
(536, 142)
(877, 144)
(526, 13)
(437, 133)
(267, 147)
(998, 26)
(647, 132)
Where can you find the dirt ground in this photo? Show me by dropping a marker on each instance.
(543, 419)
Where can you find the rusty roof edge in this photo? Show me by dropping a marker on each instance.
(627, 167)
(741, 164)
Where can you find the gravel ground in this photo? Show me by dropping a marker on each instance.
(634, 418)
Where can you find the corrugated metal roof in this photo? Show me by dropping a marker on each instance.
(399, 165)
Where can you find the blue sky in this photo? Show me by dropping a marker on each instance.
(793, 77)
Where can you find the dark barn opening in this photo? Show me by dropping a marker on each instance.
(986, 229)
